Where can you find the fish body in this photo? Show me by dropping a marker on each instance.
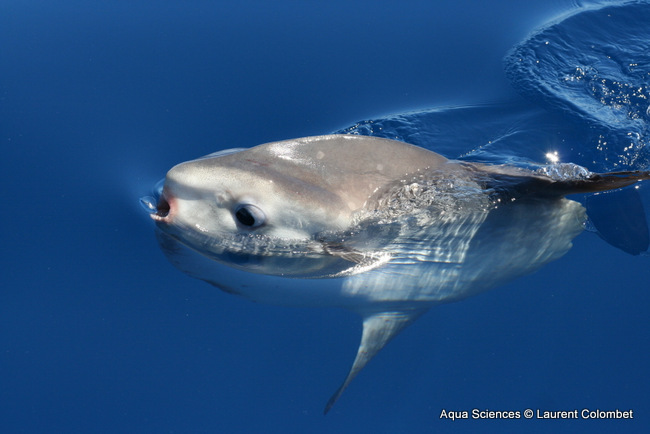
(379, 227)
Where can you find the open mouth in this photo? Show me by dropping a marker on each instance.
(162, 209)
(157, 206)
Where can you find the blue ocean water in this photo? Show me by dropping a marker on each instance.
(98, 99)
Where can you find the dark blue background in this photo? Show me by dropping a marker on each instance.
(98, 333)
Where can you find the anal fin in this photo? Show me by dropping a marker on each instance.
(378, 329)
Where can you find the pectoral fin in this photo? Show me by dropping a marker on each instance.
(378, 329)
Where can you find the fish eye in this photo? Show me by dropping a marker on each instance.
(249, 216)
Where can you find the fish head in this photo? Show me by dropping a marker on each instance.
(217, 196)
(278, 208)
(244, 213)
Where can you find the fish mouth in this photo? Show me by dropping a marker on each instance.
(160, 205)
(163, 210)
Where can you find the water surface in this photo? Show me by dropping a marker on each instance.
(97, 99)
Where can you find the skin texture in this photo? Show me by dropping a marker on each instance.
(326, 179)
(382, 228)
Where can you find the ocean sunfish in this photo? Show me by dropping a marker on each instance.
(379, 227)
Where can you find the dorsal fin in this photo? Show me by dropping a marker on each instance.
(596, 182)
(513, 183)
(378, 329)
